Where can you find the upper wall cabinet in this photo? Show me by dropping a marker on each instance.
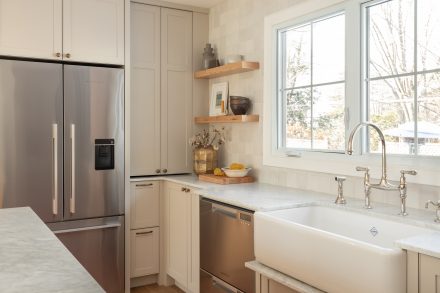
(72, 30)
(93, 31)
(31, 28)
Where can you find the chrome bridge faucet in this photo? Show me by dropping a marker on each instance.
(383, 183)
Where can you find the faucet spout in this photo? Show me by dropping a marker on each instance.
(383, 180)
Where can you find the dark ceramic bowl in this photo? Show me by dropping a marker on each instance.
(239, 105)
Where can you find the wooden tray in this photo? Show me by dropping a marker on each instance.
(225, 180)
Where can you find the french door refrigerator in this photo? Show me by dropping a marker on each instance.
(62, 154)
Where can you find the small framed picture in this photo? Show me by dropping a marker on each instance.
(219, 99)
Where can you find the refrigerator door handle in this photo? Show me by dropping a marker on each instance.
(100, 227)
(55, 168)
(72, 170)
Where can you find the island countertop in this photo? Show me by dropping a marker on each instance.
(32, 259)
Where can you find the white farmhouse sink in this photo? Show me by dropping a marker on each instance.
(334, 250)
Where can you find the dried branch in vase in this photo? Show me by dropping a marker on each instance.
(208, 138)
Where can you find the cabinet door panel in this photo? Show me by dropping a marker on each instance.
(145, 87)
(178, 233)
(144, 204)
(144, 252)
(31, 28)
(176, 85)
(429, 274)
(93, 31)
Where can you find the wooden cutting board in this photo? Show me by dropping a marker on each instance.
(225, 180)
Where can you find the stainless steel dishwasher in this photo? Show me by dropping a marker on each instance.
(226, 243)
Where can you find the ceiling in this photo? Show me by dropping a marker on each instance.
(197, 3)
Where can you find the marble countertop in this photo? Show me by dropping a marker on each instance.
(32, 259)
(250, 196)
(260, 197)
(428, 244)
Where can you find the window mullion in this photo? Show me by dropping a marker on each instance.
(416, 106)
(311, 86)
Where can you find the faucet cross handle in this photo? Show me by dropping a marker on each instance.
(363, 169)
(437, 206)
(408, 172)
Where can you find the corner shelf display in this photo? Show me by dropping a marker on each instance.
(227, 69)
(227, 119)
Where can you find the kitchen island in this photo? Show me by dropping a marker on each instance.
(32, 259)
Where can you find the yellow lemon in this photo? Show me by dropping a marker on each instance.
(236, 166)
(218, 172)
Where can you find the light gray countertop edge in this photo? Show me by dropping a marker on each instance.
(281, 278)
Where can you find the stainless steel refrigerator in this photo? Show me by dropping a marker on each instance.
(62, 154)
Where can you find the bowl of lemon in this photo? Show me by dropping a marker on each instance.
(236, 170)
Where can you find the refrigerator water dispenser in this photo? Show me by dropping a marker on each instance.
(104, 154)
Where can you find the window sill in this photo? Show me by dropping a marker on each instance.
(342, 164)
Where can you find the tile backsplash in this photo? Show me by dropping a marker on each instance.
(236, 27)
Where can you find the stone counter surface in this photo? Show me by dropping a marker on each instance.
(32, 259)
(260, 197)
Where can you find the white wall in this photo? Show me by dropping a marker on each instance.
(236, 27)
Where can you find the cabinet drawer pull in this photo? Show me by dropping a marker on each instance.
(144, 233)
(183, 189)
(68, 55)
(144, 185)
(58, 54)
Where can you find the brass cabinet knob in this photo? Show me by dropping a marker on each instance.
(68, 55)
(183, 189)
(157, 171)
(164, 170)
(57, 54)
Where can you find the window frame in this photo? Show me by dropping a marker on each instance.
(366, 79)
(331, 162)
(282, 89)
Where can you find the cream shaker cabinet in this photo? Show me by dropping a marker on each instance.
(144, 252)
(176, 90)
(423, 273)
(182, 236)
(177, 205)
(93, 31)
(72, 30)
(161, 102)
(31, 28)
(429, 274)
(144, 204)
(145, 90)
(144, 225)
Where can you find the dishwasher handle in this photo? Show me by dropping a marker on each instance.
(224, 210)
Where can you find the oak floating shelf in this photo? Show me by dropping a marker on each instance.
(227, 69)
(227, 119)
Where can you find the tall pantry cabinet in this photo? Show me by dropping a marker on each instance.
(162, 90)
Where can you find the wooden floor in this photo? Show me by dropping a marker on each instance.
(156, 289)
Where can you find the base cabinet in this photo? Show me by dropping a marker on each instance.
(144, 228)
(429, 274)
(182, 236)
(144, 252)
(423, 273)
